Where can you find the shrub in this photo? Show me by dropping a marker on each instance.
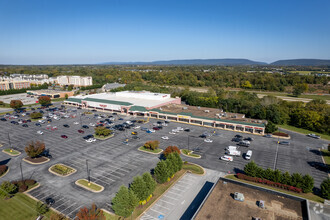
(250, 169)
(30, 182)
(139, 187)
(281, 134)
(7, 189)
(171, 149)
(325, 188)
(102, 131)
(41, 208)
(60, 169)
(3, 169)
(22, 188)
(34, 149)
(307, 183)
(161, 172)
(151, 145)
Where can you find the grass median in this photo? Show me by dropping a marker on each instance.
(189, 153)
(156, 151)
(326, 156)
(193, 168)
(309, 196)
(92, 186)
(303, 131)
(11, 152)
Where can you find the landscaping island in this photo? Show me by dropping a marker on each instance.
(156, 151)
(36, 160)
(189, 153)
(62, 170)
(151, 147)
(11, 152)
(93, 187)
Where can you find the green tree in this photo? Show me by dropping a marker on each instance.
(246, 85)
(7, 189)
(124, 202)
(16, 104)
(161, 172)
(269, 174)
(34, 149)
(296, 180)
(139, 187)
(299, 88)
(66, 96)
(171, 167)
(173, 162)
(102, 131)
(179, 161)
(307, 183)
(325, 188)
(44, 100)
(150, 182)
(270, 127)
(41, 208)
(35, 115)
(286, 178)
(277, 176)
(250, 169)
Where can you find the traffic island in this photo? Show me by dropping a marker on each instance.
(36, 160)
(189, 153)
(11, 152)
(193, 168)
(102, 138)
(156, 151)
(61, 170)
(3, 170)
(93, 187)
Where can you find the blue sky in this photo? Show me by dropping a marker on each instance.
(95, 31)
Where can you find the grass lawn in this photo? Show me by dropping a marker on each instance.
(111, 217)
(189, 153)
(20, 207)
(193, 168)
(14, 152)
(156, 151)
(326, 156)
(61, 169)
(309, 196)
(304, 131)
(92, 185)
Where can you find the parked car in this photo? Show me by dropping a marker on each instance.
(248, 155)
(165, 138)
(64, 136)
(236, 139)
(134, 133)
(238, 136)
(25, 125)
(248, 139)
(150, 131)
(207, 140)
(284, 142)
(203, 136)
(268, 135)
(3, 119)
(244, 143)
(66, 125)
(85, 126)
(81, 131)
(187, 129)
(76, 123)
(136, 137)
(50, 201)
(40, 132)
(136, 127)
(314, 136)
(155, 128)
(227, 158)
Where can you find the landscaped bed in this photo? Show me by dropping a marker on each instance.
(3, 170)
(189, 153)
(193, 168)
(156, 151)
(61, 170)
(89, 185)
(36, 160)
(103, 137)
(11, 152)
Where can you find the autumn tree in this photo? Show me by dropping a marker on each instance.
(34, 149)
(16, 104)
(93, 213)
(44, 100)
(171, 149)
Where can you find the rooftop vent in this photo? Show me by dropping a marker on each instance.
(206, 111)
(198, 107)
(185, 108)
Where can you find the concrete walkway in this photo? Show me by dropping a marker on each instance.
(175, 201)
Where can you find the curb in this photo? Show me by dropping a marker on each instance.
(49, 169)
(200, 167)
(85, 187)
(4, 174)
(161, 195)
(323, 160)
(150, 152)
(32, 188)
(36, 163)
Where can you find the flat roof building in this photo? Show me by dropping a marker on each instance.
(163, 106)
(50, 93)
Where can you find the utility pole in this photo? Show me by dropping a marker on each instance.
(88, 177)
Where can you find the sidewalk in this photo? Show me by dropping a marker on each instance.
(174, 202)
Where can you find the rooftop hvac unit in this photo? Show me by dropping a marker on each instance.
(160, 109)
(198, 107)
(206, 111)
(185, 108)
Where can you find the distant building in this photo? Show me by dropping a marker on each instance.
(75, 80)
(50, 93)
(107, 87)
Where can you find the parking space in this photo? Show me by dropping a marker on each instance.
(113, 162)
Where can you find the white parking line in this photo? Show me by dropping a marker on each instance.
(162, 206)
(157, 211)
(68, 207)
(166, 201)
(170, 197)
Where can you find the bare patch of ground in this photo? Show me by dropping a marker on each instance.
(221, 204)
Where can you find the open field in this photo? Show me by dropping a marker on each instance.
(304, 131)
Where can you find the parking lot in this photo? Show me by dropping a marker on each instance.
(113, 163)
(21, 96)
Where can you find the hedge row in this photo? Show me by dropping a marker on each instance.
(268, 182)
(281, 134)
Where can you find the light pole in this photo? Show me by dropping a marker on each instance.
(20, 165)
(88, 177)
(276, 153)
(11, 149)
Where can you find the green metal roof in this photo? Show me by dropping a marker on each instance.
(73, 100)
(108, 101)
(138, 108)
(207, 118)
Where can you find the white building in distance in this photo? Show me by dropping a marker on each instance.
(75, 80)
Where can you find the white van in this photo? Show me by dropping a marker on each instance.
(248, 155)
(231, 148)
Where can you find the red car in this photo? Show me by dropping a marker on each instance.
(81, 131)
(64, 136)
(155, 128)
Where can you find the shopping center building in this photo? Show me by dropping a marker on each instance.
(163, 106)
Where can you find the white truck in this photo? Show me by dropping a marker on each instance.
(234, 153)
(229, 148)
